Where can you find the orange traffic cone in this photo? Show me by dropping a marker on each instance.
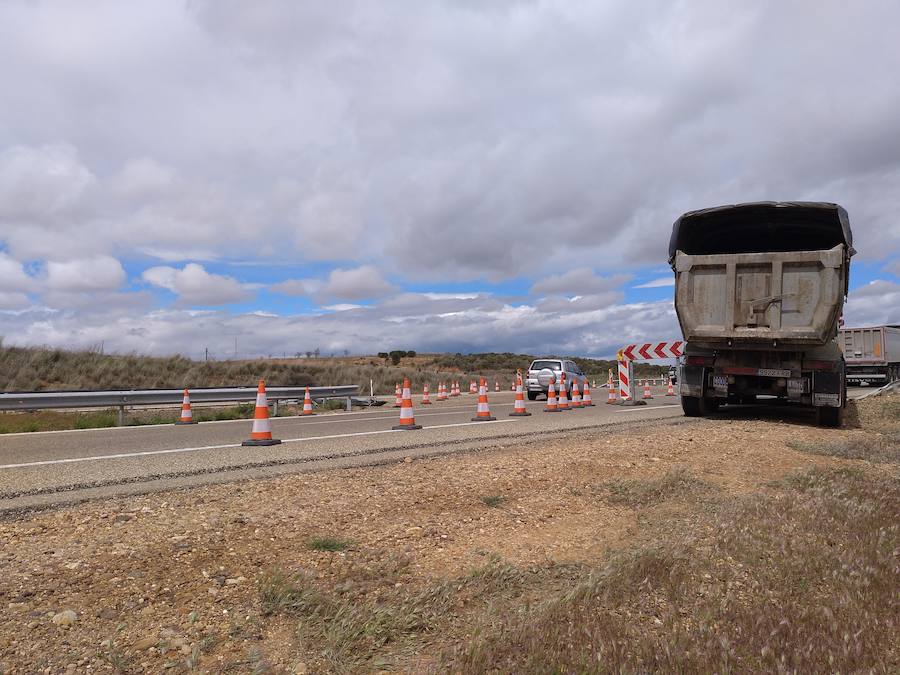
(442, 396)
(512, 387)
(425, 399)
(496, 385)
(398, 396)
(483, 412)
(551, 399)
(261, 434)
(647, 392)
(563, 393)
(407, 417)
(586, 396)
(455, 391)
(473, 388)
(576, 396)
(612, 396)
(519, 406)
(187, 417)
(307, 403)
(670, 390)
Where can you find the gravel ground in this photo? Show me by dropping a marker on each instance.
(169, 582)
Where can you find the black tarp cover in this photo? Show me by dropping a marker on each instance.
(759, 227)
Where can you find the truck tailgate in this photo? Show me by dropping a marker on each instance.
(787, 298)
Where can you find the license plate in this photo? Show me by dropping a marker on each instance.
(832, 400)
(771, 372)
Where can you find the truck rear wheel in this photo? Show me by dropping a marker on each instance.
(532, 396)
(827, 416)
(694, 406)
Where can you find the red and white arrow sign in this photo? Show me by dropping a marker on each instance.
(658, 350)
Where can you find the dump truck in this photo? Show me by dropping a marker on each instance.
(759, 290)
(872, 354)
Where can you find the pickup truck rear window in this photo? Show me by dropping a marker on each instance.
(540, 365)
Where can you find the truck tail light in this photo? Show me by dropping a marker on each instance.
(699, 361)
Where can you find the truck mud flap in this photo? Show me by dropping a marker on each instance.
(691, 381)
(827, 389)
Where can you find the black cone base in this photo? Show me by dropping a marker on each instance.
(268, 441)
(180, 422)
(407, 427)
(520, 414)
(484, 419)
(551, 409)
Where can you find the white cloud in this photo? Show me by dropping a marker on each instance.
(195, 286)
(425, 324)
(13, 276)
(40, 182)
(298, 287)
(658, 283)
(581, 281)
(360, 283)
(893, 268)
(11, 301)
(342, 307)
(876, 303)
(99, 273)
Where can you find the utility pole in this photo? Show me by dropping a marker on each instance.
(206, 354)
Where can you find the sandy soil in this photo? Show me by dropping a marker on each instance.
(170, 580)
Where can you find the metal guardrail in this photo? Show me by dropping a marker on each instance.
(44, 400)
(889, 387)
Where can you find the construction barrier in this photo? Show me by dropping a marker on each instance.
(552, 405)
(187, 415)
(586, 400)
(261, 433)
(307, 403)
(519, 406)
(407, 417)
(483, 411)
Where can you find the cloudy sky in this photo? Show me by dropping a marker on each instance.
(275, 176)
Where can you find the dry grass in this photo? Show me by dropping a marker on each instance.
(880, 449)
(328, 543)
(677, 482)
(350, 627)
(802, 580)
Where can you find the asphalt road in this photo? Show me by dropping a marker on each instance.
(65, 462)
(38, 469)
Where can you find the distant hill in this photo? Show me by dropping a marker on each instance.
(39, 369)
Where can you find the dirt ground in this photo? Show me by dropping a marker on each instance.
(170, 582)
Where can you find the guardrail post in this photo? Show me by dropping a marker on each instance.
(275, 408)
(120, 416)
(349, 404)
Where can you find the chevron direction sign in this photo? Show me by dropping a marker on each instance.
(657, 350)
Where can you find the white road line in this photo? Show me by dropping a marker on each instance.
(327, 419)
(145, 453)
